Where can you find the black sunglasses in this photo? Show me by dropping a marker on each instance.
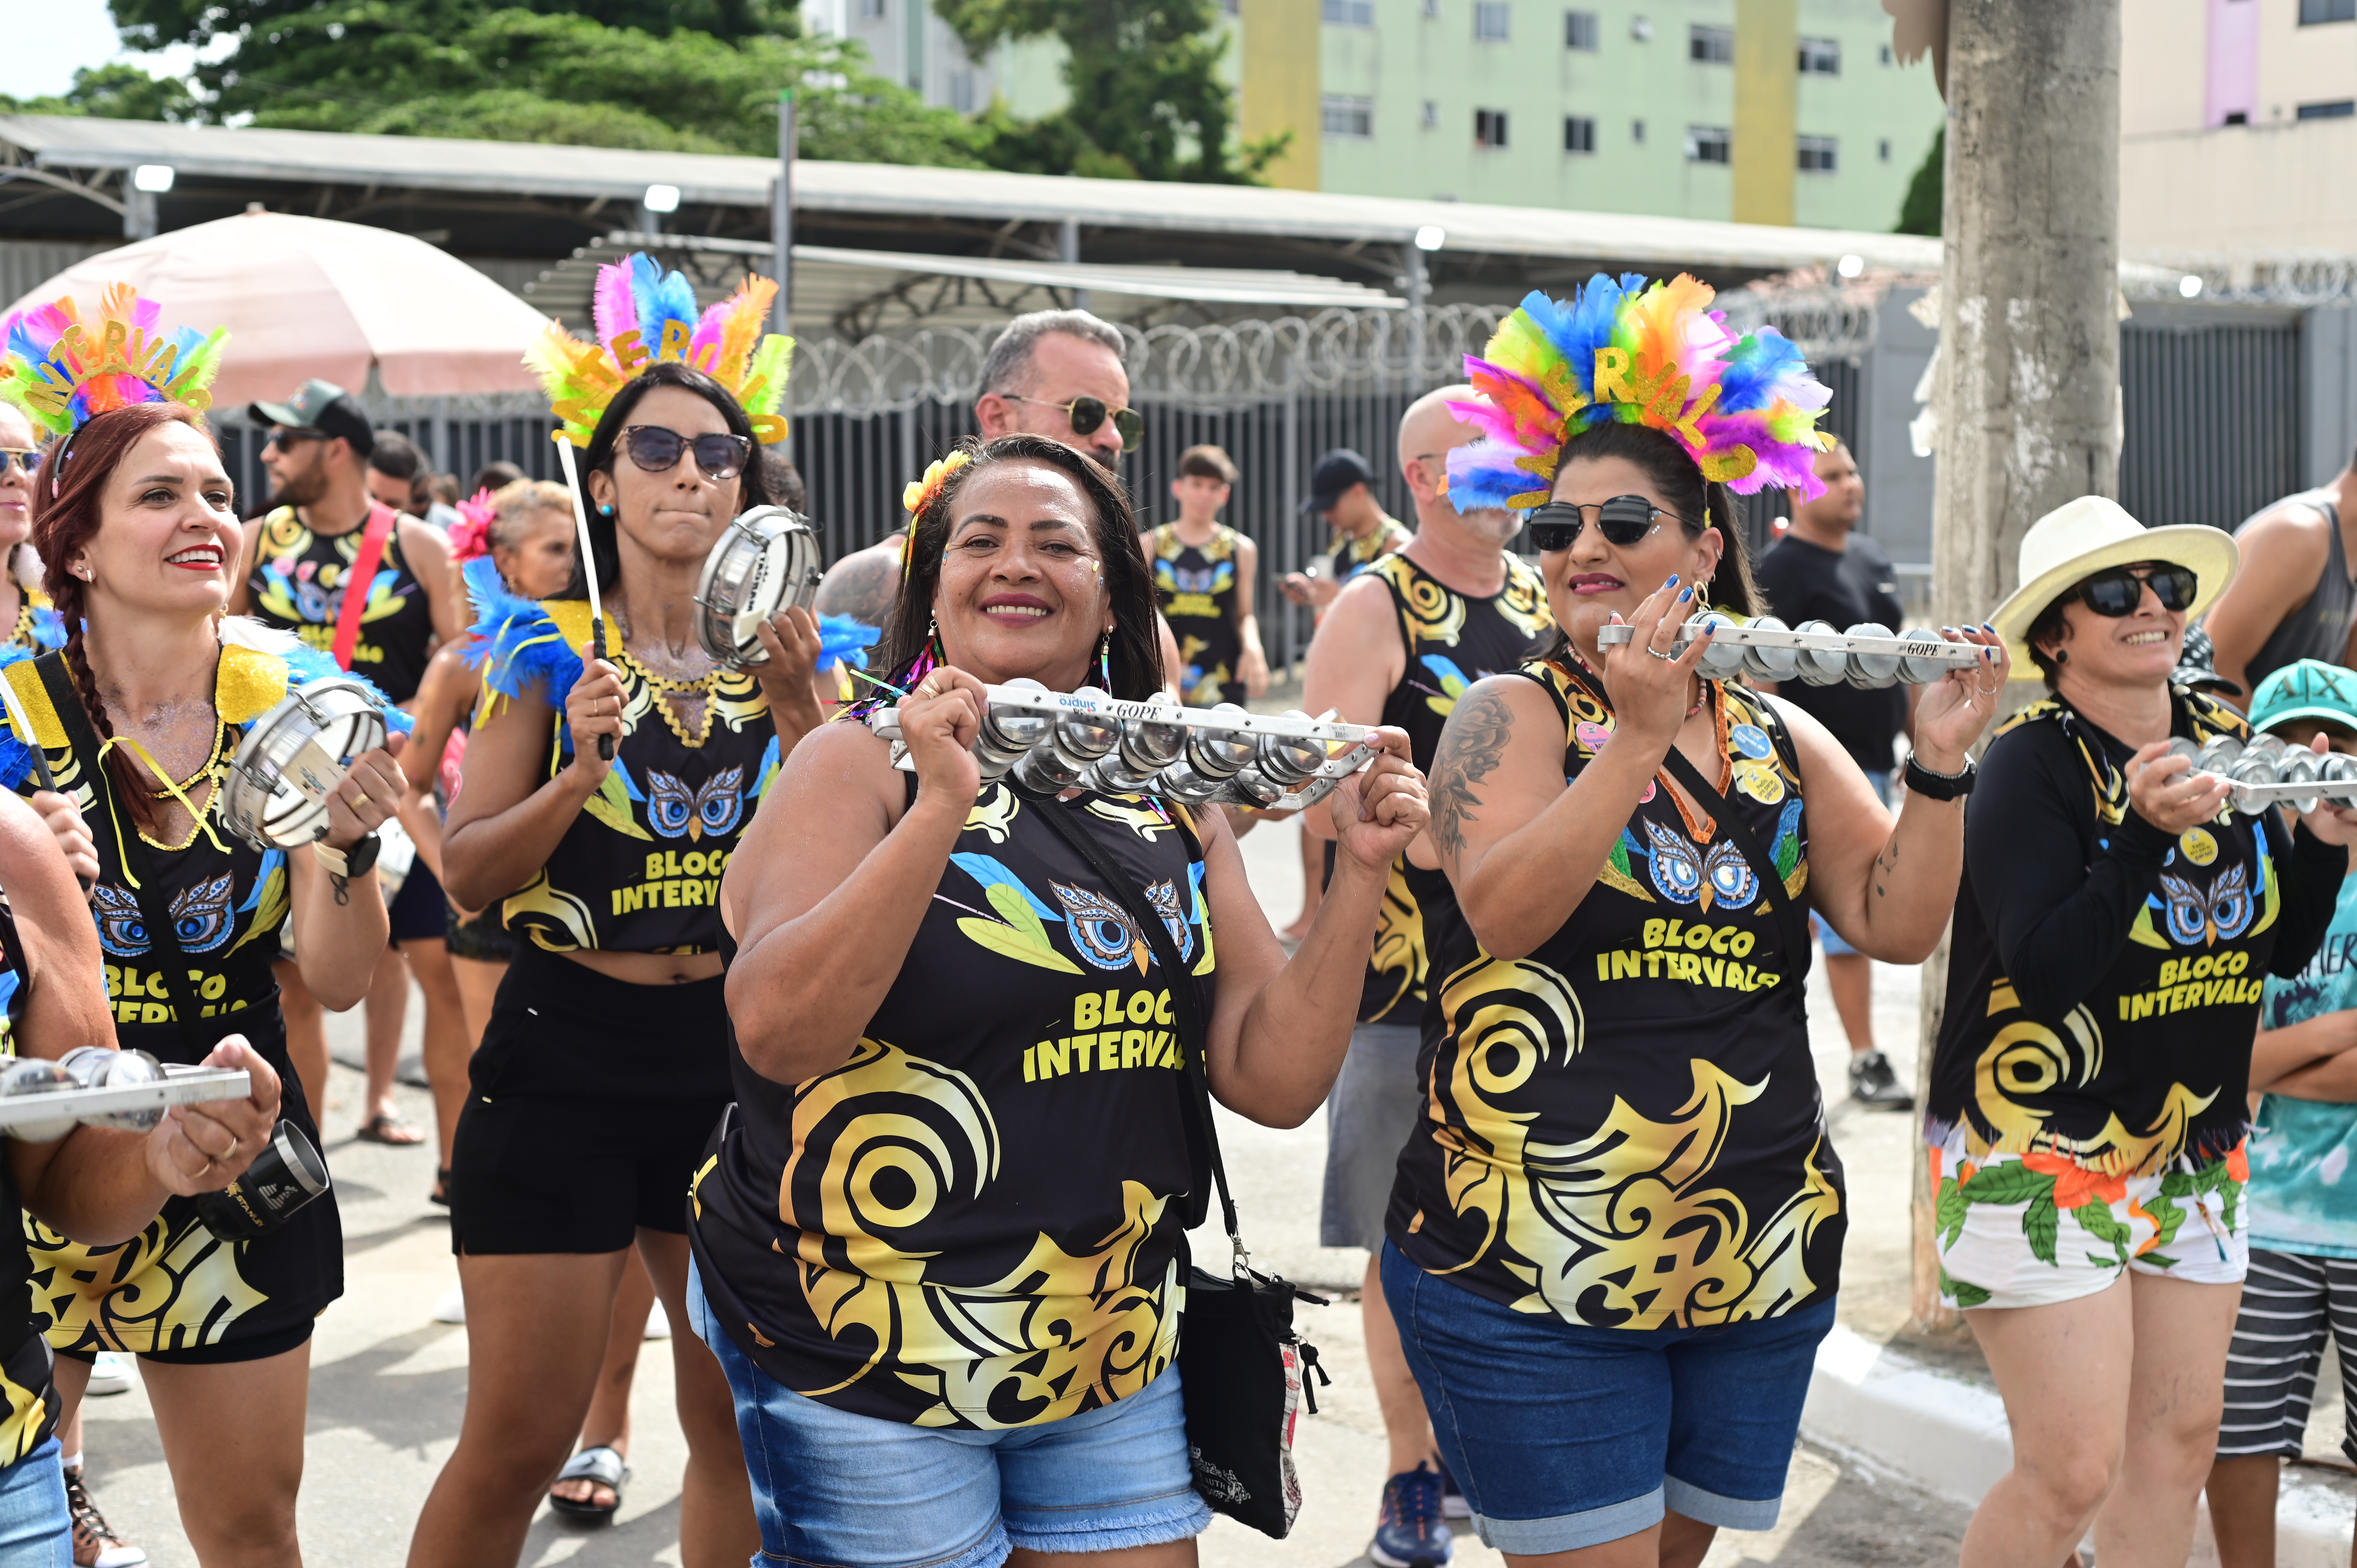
(2117, 592)
(1088, 413)
(1624, 520)
(657, 451)
(283, 438)
(26, 457)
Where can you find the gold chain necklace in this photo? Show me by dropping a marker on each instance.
(212, 760)
(664, 686)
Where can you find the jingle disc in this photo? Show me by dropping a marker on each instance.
(1822, 666)
(1873, 670)
(275, 792)
(765, 560)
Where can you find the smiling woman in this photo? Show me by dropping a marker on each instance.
(930, 1092)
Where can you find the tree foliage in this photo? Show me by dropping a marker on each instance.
(1146, 100)
(118, 91)
(1918, 211)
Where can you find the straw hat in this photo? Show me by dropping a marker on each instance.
(2081, 538)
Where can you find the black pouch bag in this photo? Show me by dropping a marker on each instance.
(1242, 1363)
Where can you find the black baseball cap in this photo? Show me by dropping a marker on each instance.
(322, 406)
(1335, 473)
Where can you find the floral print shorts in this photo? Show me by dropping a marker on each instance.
(2034, 1230)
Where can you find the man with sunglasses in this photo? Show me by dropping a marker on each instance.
(1403, 639)
(1823, 569)
(1057, 373)
(2295, 595)
(325, 531)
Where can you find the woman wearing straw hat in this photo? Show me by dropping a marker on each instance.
(2086, 1112)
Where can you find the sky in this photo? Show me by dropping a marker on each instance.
(44, 53)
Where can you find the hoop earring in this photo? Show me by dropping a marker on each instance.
(1701, 596)
(1105, 660)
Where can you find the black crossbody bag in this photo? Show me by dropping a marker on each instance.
(1244, 1369)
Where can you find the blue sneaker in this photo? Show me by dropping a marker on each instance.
(1452, 1497)
(1410, 1531)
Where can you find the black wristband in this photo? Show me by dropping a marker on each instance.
(1940, 786)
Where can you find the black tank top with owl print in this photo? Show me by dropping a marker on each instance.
(297, 585)
(974, 1221)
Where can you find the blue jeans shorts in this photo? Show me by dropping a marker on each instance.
(36, 1532)
(832, 1489)
(1827, 938)
(1565, 1436)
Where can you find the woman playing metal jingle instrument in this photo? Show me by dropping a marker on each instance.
(938, 1247)
(1616, 1235)
(602, 797)
(2086, 1113)
(135, 718)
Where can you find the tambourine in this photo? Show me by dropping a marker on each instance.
(1226, 756)
(1814, 653)
(2265, 772)
(275, 793)
(41, 1101)
(765, 560)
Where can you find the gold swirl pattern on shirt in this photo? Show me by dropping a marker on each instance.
(897, 1138)
(163, 1290)
(1398, 957)
(1621, 1228)
(2025, 1061)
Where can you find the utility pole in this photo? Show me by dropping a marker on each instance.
(2029, 385)
(781, 215)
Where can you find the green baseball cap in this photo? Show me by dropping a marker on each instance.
(322, 406)
(2308, 689)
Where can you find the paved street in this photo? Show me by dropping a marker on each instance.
(389, 1383)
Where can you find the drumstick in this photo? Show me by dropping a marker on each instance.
(17, 717)
(588, 572)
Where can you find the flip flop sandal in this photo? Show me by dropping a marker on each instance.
(601, 1465)
(385, 1129)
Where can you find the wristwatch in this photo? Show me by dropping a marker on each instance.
(1942, 786)
(348, 863)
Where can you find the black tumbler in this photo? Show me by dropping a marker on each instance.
(285, 1176)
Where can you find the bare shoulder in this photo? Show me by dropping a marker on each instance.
(845, 755)
(2289, 535)
(863, 585)
(1361, 612)
(1495, 712)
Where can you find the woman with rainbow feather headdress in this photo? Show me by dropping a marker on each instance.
(135, 719)
(604, 1067)
(1615, 1233)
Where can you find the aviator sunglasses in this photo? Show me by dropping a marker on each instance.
(657, 451)
(2117, 593)
(28, 458)
(1624, 520)
(1087, 412)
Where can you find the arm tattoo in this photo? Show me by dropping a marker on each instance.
(1884, 865)
(1470, 751)
(341, 887)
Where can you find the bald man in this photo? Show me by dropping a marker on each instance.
(1405, 637)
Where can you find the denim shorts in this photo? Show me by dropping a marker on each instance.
(36, 1532)
(1829, 938)
(1564, 1437)
(833, 1490)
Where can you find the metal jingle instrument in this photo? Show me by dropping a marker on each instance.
(275, 793)
(41, 1101)
(766, 559)
(2265, 771)
(1224, 755)
(1865, 655)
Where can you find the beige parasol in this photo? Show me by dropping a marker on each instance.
(307, 296)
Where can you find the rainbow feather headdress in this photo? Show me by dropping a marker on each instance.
(643, 317)
(1745, 409)
(63, 371)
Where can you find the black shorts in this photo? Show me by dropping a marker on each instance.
(590, 1104)
(417, 912)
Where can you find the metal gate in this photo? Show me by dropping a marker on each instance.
(2213, 417)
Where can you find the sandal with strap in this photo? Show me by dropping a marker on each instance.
(95, 1544)
(386, 1128)
(601, 1466)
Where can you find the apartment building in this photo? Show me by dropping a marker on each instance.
(1788, 112)
(2238, 127)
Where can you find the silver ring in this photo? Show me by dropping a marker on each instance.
(1664, 658)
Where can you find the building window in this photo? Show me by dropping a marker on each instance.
(1640, 29)
(1581, 30)
(1887, 56)
(1709, 145)
(1347, 116)
(1637, 131)
(1882, 149)
(1817, 154)
(1350, 12)
(1712, 46)
(1432, 10)
(1489, 127)
(2313, 13)
(1820, 56)
(2238, 117)
(1578, 134)
(962, 92)
(2336, 109)
(1493, 21)
(1431, 115)
(871, 10)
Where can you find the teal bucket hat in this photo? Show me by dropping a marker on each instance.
(2308, 689)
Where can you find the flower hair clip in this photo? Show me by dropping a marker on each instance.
(471, 536)
(919, 494)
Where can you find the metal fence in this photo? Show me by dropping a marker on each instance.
(2213, 419)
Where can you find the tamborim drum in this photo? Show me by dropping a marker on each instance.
(275, 794)
(765, 560)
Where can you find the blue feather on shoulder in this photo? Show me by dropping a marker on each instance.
(843, 637)
(518, 644)
(306, 664)
(15, 753)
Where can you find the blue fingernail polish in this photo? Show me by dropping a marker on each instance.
(1684, 594)
(1672, 582)
(1987, 628)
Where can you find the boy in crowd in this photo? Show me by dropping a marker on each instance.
(1204, 573)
